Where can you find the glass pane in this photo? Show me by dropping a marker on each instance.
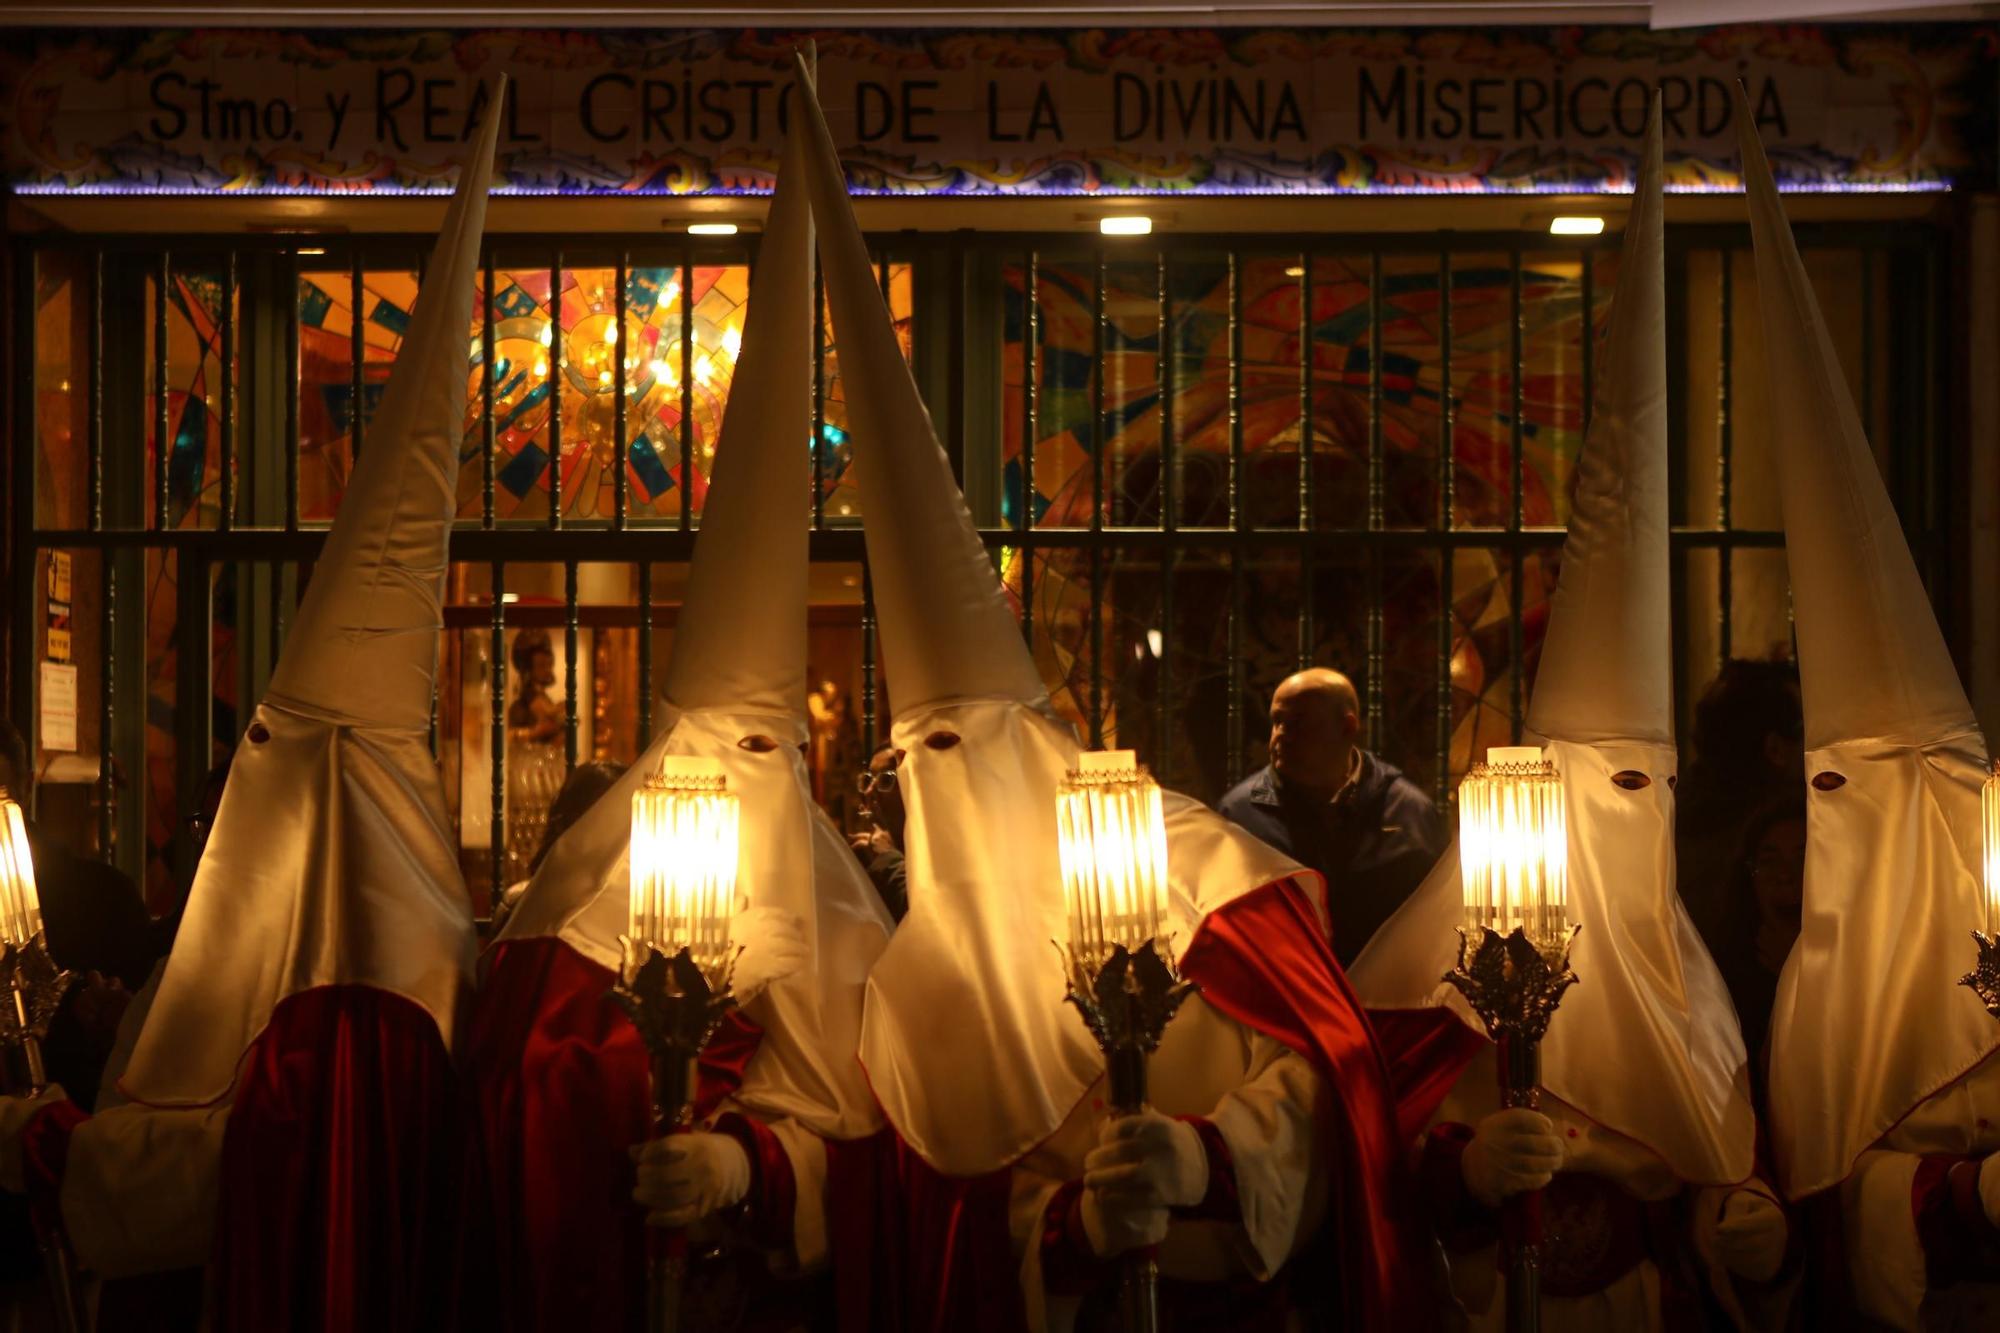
(1340, 334)
(1270, 391)
(62, 389)
(1483, 666)
(1554, 325)
(327, 405)
(842, 502)
(1412, 385)
(326, 392)
(1407, 694)
(193, 393)
(1132, 393)
(1200, 350)
(1760, 604)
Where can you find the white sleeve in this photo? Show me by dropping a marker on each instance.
(806, 1151)
(1885, 1257)
(139, 1192)
(1271, 1126)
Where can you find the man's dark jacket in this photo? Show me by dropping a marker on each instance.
(1374, 842)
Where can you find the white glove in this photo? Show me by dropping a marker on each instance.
(1989, 1188)
(685, 1177)
(1750, 1237)
(1511, 1152)
(15, 1113)
(774, 946)
(1142, 1166)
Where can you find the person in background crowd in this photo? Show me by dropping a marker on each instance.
(1348, 814)
(580, 790)
(1749, 751)
(881, 847)
(1764, 906)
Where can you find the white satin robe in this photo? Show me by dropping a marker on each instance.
(1884, 1255)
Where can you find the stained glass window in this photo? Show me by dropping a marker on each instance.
(192, 393)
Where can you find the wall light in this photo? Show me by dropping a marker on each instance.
(1576, 226)
(711, 228)
(1131, 224)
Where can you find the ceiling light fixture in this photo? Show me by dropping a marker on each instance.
(1130, 224)
(1576, 226)
(711, 228)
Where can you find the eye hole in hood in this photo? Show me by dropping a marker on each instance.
(757, 743)
(1828, 780)
(941, 740)
(1631, 779)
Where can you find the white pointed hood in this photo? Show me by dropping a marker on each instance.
(1648, 1044)
(1869, 1019)
(332, 861)
(966, 1038)
(737, 683)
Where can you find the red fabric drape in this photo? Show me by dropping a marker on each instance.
(1262, 960)
(1427, 1049)
(337, 1178)
(562, 1088)
(915, 1251)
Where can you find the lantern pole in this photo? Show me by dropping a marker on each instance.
(31, 989)
(675, 978)
(1120, 973)
(1513, 849)
(1984, 978)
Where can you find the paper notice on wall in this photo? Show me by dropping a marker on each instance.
(58, 729)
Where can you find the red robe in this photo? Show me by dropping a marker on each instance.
(552, 1061)
(919, 1252)
(336, 1196)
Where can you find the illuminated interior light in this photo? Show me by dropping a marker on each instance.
(548, 335)
(1131, 224)
(541, 369)
(711, 228)
(732, 341)
(1576, 226)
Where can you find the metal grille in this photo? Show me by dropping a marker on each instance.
(1152, 599)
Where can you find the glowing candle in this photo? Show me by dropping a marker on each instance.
(1112, 840)
(683, 861)
(20, 905)
(1513, 846)
(1990, 808)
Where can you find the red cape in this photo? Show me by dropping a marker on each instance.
(919, 1252)
(561, 1090)
(337, 1196)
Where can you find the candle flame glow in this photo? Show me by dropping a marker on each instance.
(20, 905)
(1111, 824)
(1513, 846)
(1990, 807)
(683, 861)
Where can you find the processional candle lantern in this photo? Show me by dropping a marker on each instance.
(1513, 956)
(1111, 826)
(34, 984)
(676, 973)
(33, 989)
(1985, 975)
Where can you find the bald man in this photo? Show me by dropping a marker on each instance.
(1332, 805)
